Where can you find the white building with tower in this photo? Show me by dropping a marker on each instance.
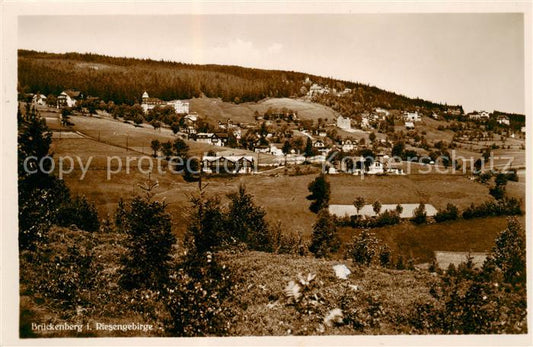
(148, 103)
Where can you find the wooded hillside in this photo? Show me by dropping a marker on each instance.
(123, 80)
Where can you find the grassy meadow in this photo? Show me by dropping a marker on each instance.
(219, 110)
(282, 196)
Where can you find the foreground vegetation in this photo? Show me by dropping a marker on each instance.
(76, 278)
(236, 273)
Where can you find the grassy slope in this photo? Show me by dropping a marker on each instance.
(419, 242)
(217, 110)
(264, 311)
(283, 197)
(259, 305)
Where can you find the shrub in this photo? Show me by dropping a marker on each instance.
(196, 297)
(512, 176)
(364, 248)
(78, 212)
(506, 206)
(387, 218)
(383, 219)
(361, 311)
(420, 215)
(486, 301)
(62, 271)
(385, 256)
(498, 192)
(288, 241)
(485, 177)
(450, 213)
(509, 253)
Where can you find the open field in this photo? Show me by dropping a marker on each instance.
(135, 138)
(419, 242)
(437, 190)
(283, 197)
(429, 126)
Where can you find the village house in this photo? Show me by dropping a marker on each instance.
(454, 111)
(343, 123)
(347, 145)
(190, 130)
(191, 118)
(344, 92)
(412, 117)
(262, 149)
(68, 98)
(232, 164)
(483, 115)
(274, 150)
(322, 133)
(220, 139)
(409, 125)
(365, 122)
(523, 129)
(503, 119)
(148, 103)
(216, 139)
(382, 112)
(39, 99)
(317, 89)
(375, 168)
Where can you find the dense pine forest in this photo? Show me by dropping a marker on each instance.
(123, 80)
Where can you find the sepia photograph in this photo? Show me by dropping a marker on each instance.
(266, 173)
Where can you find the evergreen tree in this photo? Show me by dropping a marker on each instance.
(155, 145)
(207, 228)
(376, 206)
(320, 193)
(359, 203)
(180, 148)
(246, 221)
(509, 253)
(419, 214)
(39, 194)
(149, 243)
(324, 239)
(309, 150)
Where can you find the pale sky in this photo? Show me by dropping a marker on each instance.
(476, 60)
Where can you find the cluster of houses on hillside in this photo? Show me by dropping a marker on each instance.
(317, 89)
(370, 119)
(485, 116)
